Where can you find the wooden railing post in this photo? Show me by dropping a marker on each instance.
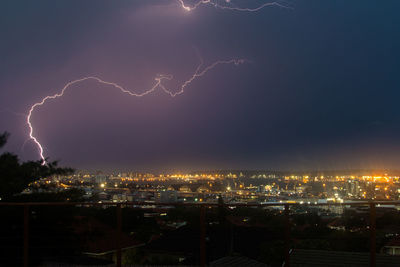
(26, 235)
(287, 236)
(202, 236)
(372, 231)
(119, 230)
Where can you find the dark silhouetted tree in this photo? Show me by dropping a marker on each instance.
(3, 139)
(16, 176)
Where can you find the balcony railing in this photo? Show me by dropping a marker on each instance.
(202, 206)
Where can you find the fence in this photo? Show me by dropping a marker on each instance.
(202, 206)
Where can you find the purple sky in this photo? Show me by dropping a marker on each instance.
(321, 91)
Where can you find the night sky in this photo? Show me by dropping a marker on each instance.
(321, 90)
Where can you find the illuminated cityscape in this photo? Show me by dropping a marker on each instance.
(233, 187)
(221, 133)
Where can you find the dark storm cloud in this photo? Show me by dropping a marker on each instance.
(321, 91)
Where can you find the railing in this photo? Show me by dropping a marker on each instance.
(202, 206)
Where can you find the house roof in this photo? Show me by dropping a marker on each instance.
(183, 240)
(99, 237)
(236, 261)
(395, 242)
(304, 257)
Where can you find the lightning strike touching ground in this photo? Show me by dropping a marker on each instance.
(229, 6)
(159, 79)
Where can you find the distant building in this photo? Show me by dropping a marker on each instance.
(169, 196)
(103, 196)
(392, 247)
(100, 179)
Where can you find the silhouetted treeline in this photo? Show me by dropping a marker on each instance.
(15, 175)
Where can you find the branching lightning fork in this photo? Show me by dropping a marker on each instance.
(158, 84)
(229, 5)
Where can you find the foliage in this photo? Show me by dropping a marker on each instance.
(15, 176)
(3, 139)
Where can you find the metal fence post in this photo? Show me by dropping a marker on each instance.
(287, 236)
(372, 231)
(202, 235)
(26, 235)
(119, 230)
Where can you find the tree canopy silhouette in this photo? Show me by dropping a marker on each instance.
(15, 176)
(3, 139)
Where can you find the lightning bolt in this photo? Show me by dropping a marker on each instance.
(233, 8)
(158, 84)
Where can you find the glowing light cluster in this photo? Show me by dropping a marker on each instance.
(200, 71)
(229, 5)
